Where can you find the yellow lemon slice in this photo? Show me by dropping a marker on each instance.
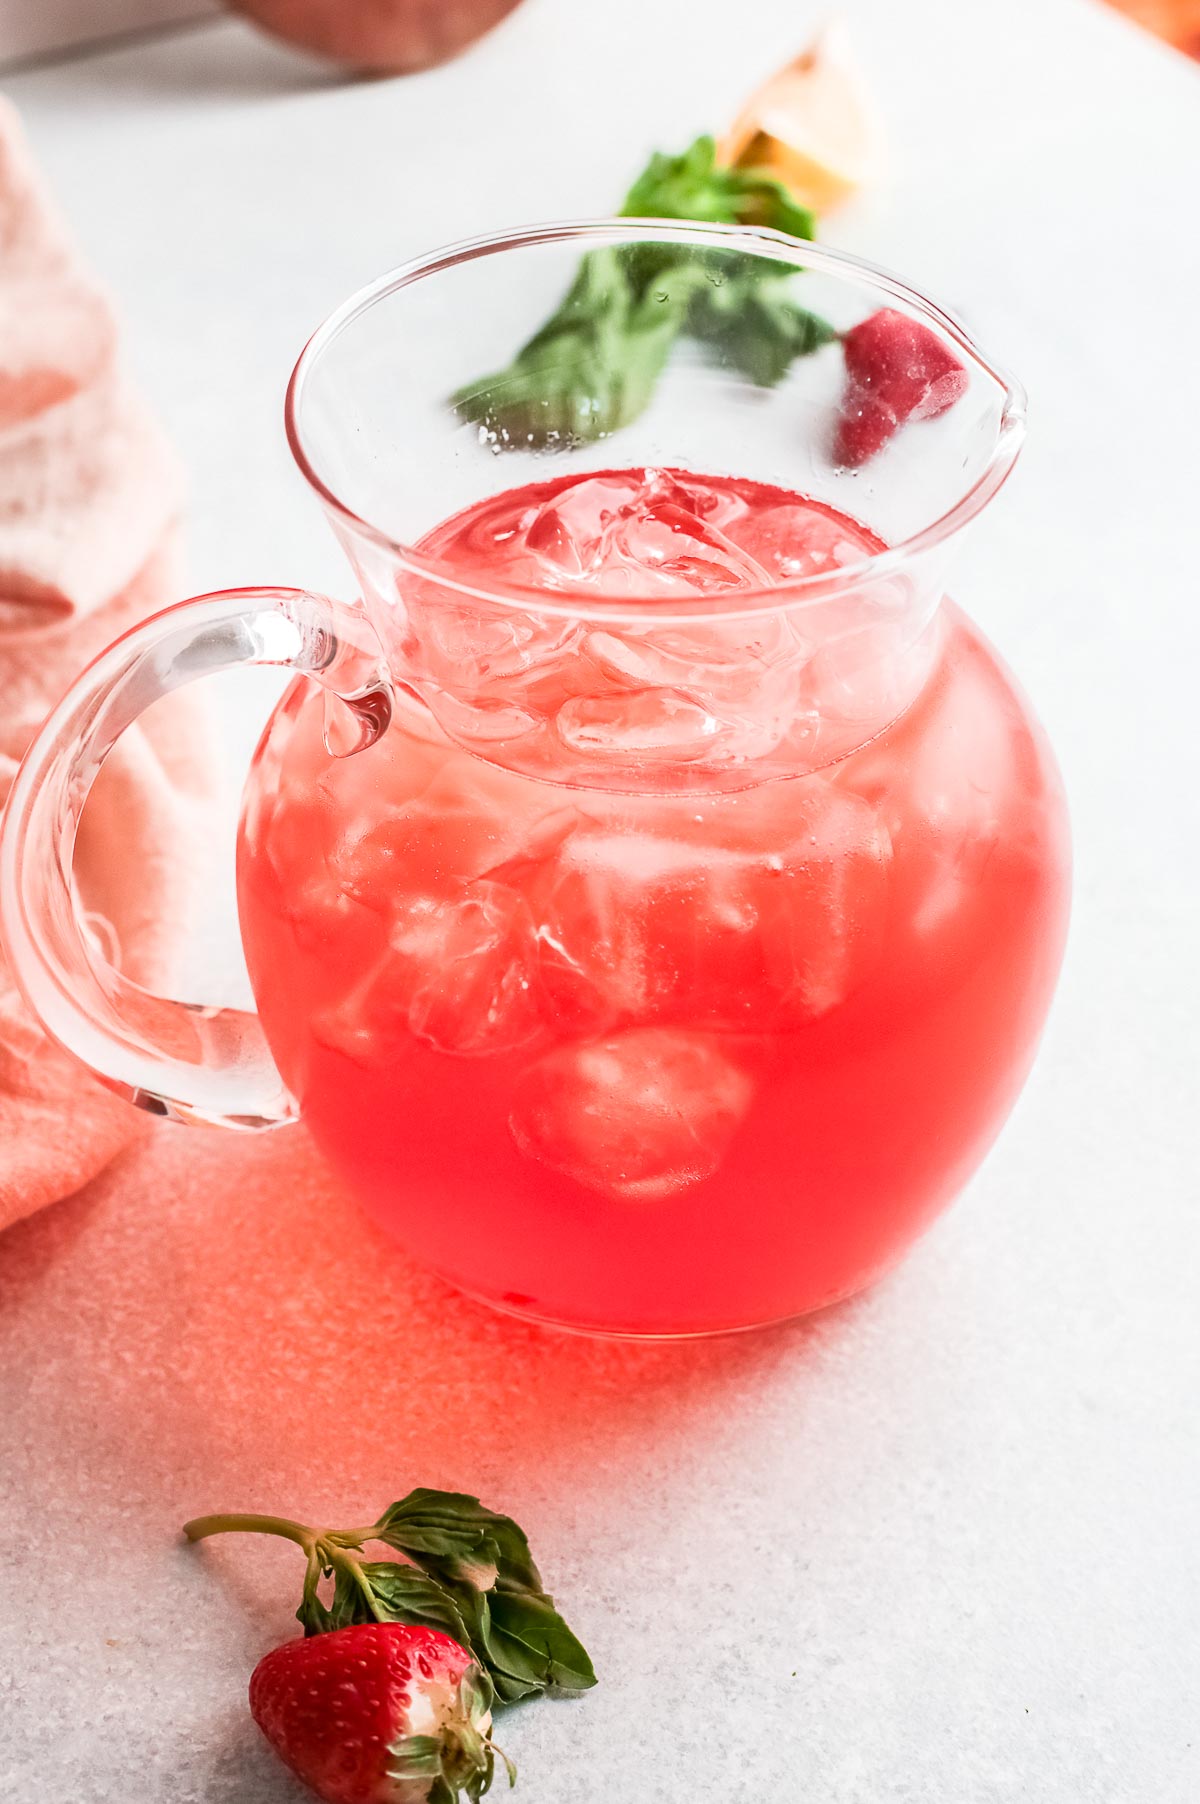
(813, 125)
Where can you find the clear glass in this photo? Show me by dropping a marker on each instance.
(655, 953)
(374, 381)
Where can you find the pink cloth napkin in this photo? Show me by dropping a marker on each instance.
(89, 494)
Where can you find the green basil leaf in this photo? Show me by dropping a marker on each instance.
(478, 1565)
(454, 1530)
(447, 1525)
(527, 1639)
(754, 326)
(589, 370)
(405, 1594)
(593, 366)
(760, 200)
(693, 186)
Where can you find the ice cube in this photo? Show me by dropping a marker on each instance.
(800, 538)
(480, 720)
(733, 682)
(470, 962)
(638, 1116)
(464, 823)
(478, 646)
(295, 831)
(456, 972)
(865, 677)
(947, 812)
(327, 923)
(490, 678)
(637, 927)
(564, 537)
(731, 685)
(295, 823)
(646, 723)
(636, 535)
(731, 654)
(766, 925)
(822, 904)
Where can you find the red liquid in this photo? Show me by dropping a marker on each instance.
(675, 1061)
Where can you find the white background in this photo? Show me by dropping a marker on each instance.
(939, 1547)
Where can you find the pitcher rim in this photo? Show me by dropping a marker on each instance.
(775, 246)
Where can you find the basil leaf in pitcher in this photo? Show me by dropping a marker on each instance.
(590, 369)
(593, 366)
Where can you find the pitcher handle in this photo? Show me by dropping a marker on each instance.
(189, 1062)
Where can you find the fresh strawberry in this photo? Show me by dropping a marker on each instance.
(380, 1713)
(388, 1699)
(896, 370)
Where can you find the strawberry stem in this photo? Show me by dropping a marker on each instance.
(323, 1547)
(352, 1537)
(202, 1526)
(337, 1556)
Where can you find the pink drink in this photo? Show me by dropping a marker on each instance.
(671, 1057)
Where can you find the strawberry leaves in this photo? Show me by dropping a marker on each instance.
(465, 1570)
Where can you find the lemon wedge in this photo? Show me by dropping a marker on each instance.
(813, 124)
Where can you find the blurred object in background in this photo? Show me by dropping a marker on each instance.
(383, 36)
(89, 495)
(813, 124)
(41, 27)
(1176, 20)
(378, 36)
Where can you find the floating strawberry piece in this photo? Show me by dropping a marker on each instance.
(896, 370)
(380, 1713)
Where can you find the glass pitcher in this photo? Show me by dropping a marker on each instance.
(653, 888)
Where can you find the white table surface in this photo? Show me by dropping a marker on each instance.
(941, 1545)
